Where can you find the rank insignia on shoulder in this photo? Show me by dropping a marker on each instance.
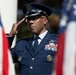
(49, 57)
(19, 58)
(51, 46)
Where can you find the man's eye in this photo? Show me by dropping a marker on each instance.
(32, 18)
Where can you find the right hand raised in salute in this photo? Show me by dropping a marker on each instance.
(14, 30)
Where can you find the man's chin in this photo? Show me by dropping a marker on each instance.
(33, 31)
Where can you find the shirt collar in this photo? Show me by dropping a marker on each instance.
(42, 35)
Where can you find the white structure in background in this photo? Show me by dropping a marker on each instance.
(8, 10)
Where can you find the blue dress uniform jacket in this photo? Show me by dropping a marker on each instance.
(38, 63)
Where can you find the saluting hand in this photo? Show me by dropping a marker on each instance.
(14, 30)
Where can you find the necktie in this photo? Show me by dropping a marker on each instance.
(35, 43)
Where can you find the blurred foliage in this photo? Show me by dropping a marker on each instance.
(52, 3)
(54, 23)
(23, 31)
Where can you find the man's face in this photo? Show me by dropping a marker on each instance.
(37, 24)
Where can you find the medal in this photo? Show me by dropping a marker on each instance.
(51, 46)
(49, 57)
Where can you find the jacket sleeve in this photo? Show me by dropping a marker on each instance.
(10, 40)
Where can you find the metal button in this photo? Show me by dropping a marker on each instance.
(33, 58)
(31, 67)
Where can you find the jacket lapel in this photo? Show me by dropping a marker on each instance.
(29, 46)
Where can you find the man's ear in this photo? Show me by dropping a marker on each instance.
(45, 20)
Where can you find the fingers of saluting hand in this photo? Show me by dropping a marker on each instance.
(14, 29)
(20, 21)
(15, 25)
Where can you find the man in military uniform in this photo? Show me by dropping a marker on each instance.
(35, 55)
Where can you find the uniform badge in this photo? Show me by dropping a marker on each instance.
(49, 57)
(19, 58)
(51, 46)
